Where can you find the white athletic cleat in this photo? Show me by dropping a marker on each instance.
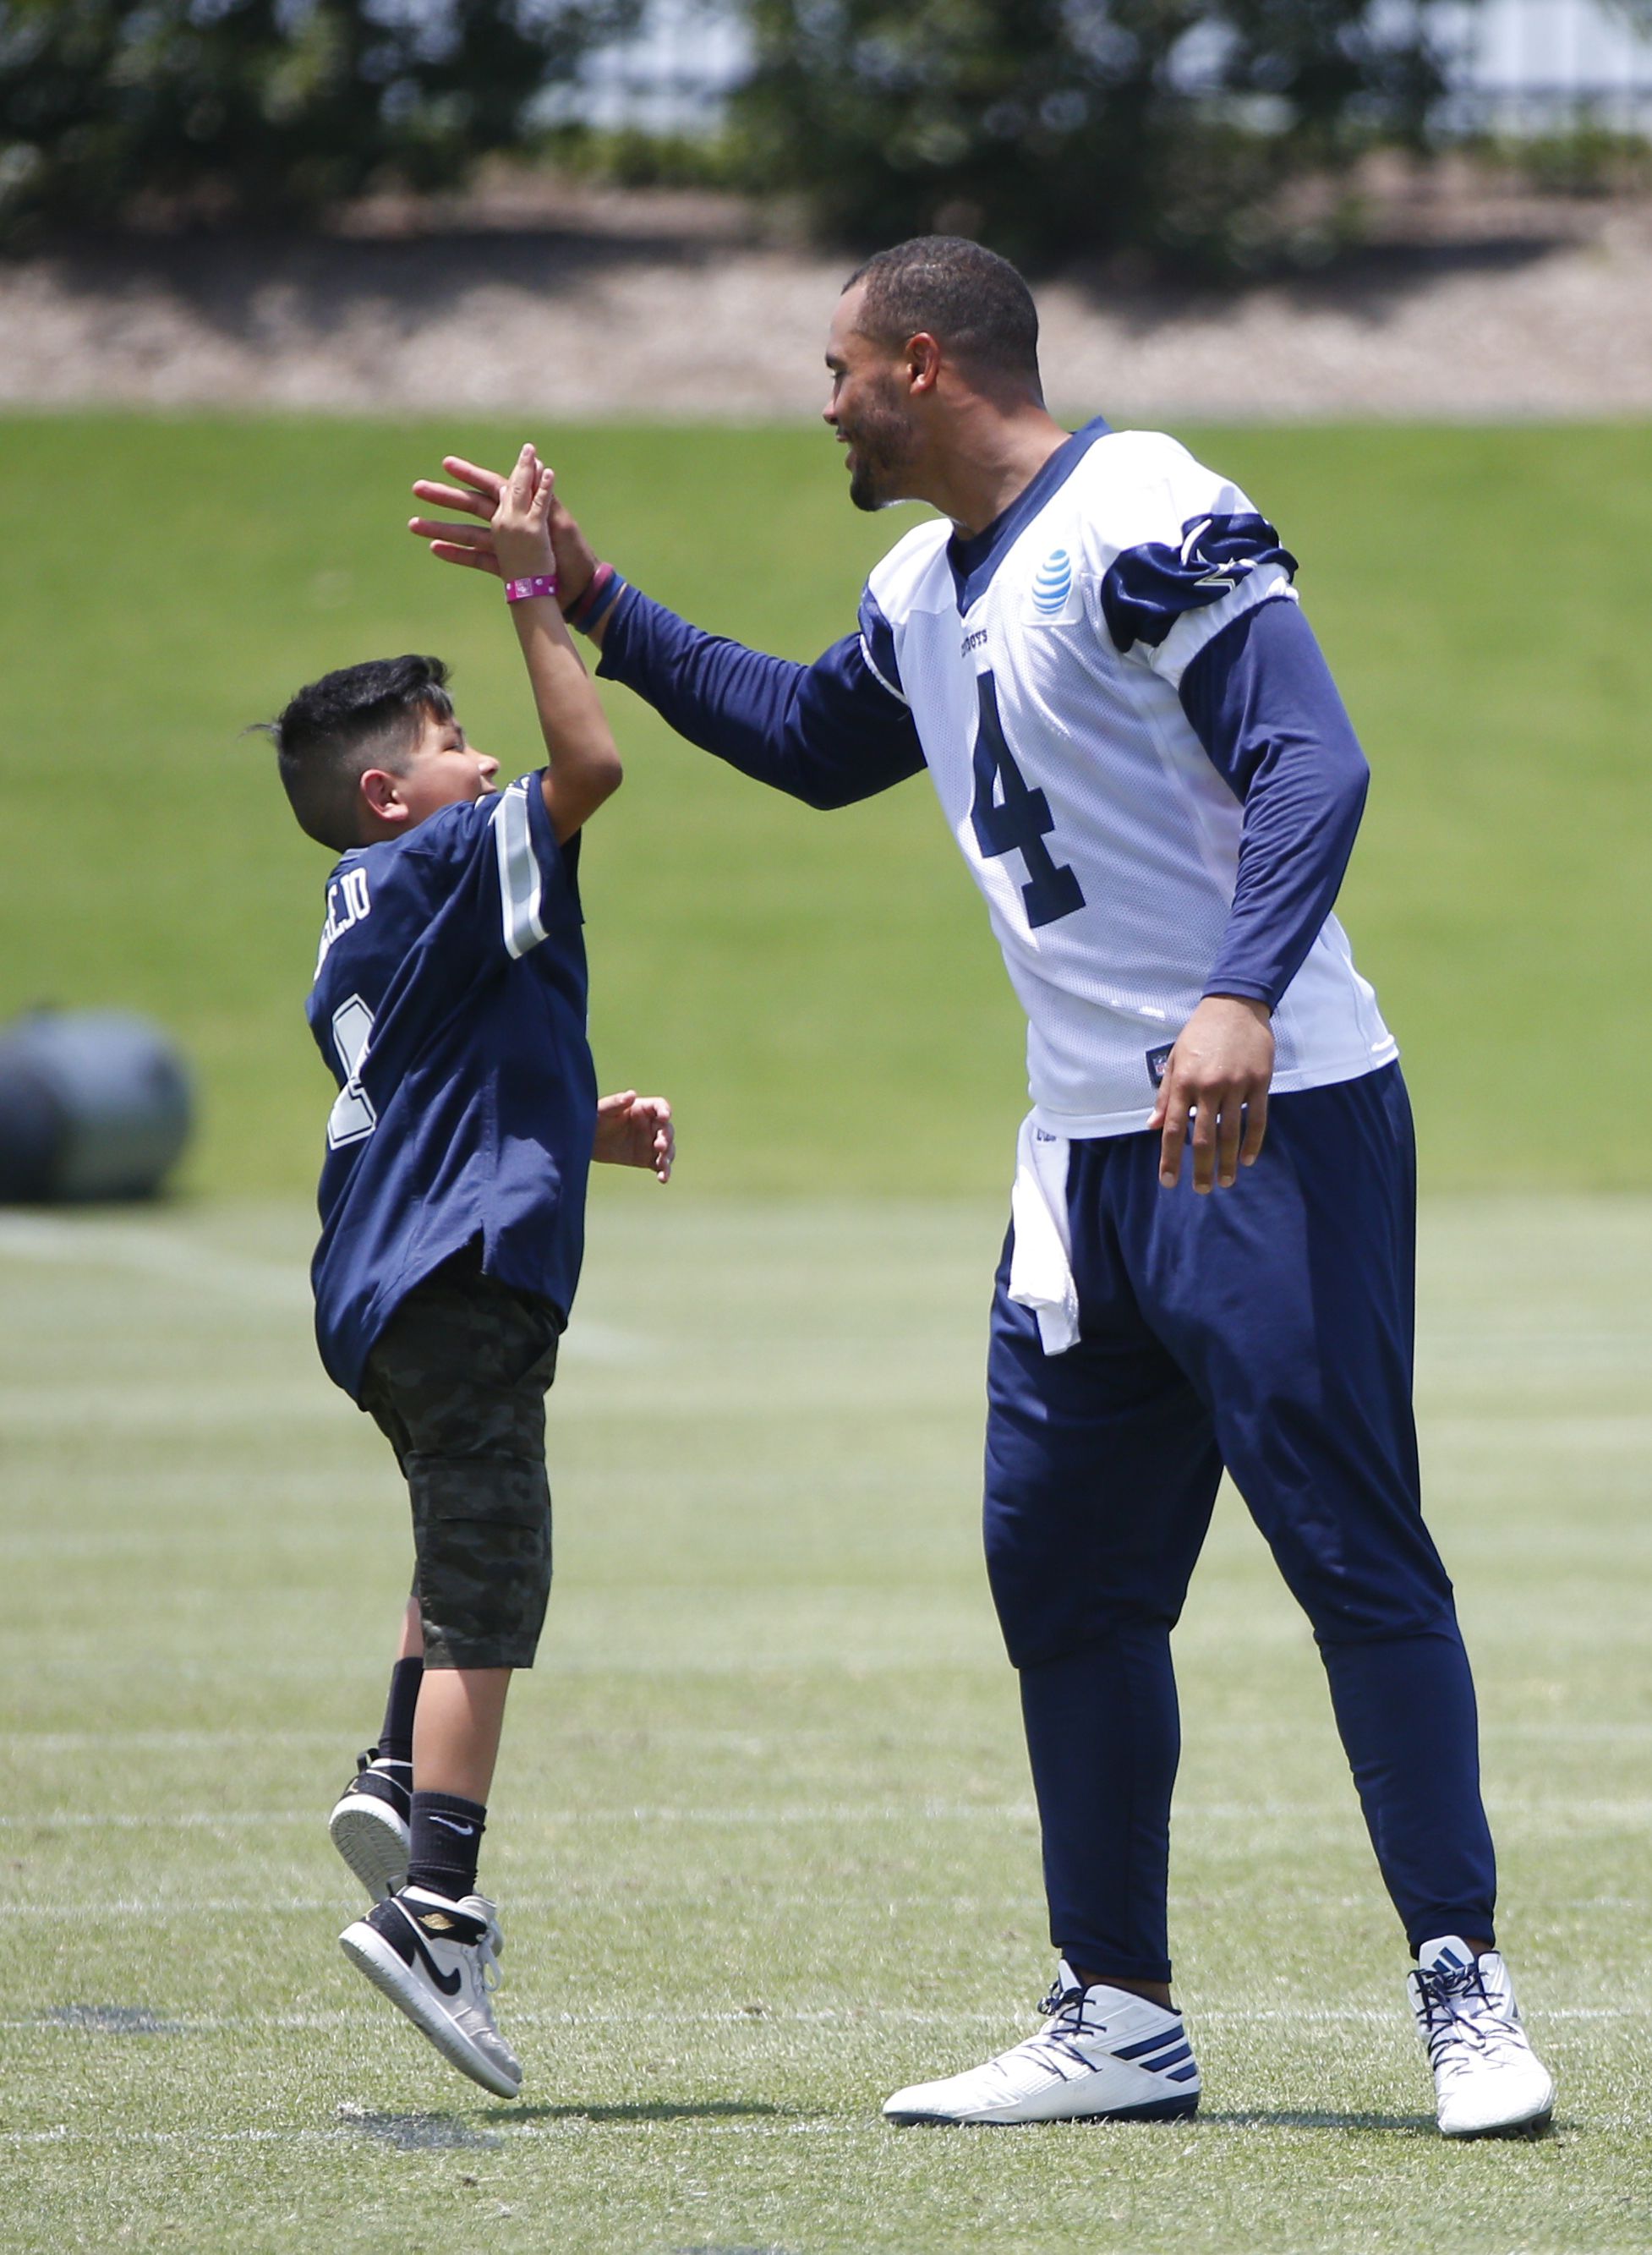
(1102, 2055)
(437, 1961)
(1488, 2082)
(369, 1825)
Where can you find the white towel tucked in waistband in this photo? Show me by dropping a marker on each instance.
(1041, 1264)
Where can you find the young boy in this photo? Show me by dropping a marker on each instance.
(450, 1002)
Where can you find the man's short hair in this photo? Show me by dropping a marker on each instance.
(965, 297)
(335, 729)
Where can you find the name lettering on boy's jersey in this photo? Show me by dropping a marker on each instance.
(348, 902)
(974, 641)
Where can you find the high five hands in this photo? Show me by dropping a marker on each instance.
(1216, 1085)
(477, 494)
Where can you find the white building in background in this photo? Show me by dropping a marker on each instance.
(1521, 66)
(1528, 65)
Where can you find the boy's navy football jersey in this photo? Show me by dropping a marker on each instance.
(450, 1004)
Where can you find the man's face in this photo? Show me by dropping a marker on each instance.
(442, 770)
(869, 410)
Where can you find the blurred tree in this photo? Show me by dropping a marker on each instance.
(266, 108)
(1051, 127)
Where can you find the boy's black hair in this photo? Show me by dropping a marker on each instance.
(335, 729)
(963, 295)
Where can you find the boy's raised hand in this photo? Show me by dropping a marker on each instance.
(475, 494)
(635, 1131)
(521, 541)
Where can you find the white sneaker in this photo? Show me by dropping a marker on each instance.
(1102, 2055)
(369, 1825)
(437, 1961)
(1488, 2082)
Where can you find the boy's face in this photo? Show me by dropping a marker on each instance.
(442, 770)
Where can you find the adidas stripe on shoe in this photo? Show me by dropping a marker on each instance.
(1102, 2055)
(369, 1825)
(437, 1961)
(1488, 2082)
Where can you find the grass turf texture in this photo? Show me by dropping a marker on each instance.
(762, 1835)
(819, 993)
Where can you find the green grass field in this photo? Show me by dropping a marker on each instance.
(763, 1834)
(819, 993)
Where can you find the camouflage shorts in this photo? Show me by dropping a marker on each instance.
(457, 1381)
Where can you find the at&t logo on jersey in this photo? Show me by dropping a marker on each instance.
(1052, 584)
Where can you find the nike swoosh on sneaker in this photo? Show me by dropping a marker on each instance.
(452, 1824)
(449, 1983)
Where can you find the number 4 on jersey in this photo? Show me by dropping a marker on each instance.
(1010, 818)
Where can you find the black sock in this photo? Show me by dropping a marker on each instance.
(447, 1839)
(396, 1739)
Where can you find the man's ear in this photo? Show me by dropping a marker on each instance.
(380, 790)
(923, 363)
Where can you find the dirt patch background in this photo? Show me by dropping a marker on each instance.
(589, 305)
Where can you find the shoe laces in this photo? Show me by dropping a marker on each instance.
(488, 1943)
(1065, 2004)
(1063, 2011)
(1459, 2013)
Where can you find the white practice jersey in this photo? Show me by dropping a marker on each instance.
(1092, 819)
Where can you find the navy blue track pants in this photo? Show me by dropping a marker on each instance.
(1267, 1329)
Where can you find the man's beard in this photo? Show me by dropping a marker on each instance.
(882, 444)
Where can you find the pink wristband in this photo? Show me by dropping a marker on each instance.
(523, 591)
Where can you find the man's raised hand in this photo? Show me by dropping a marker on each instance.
(476, 494)
(1214, 1093)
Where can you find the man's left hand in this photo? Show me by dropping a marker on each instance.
(635, 1131)
(1214, 1093)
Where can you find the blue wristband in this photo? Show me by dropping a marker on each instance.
(605, 587)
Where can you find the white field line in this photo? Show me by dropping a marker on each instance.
(836, 2016)
(50, 1411)
(495, 2143)
(142, 1407)
(640, 1736)
(151, 1246)
(155, 1252)
(1636, 1809)
(843, 1813)
(80, 1742)
(574, 2127)
(1507, 1349)
(264, 1905)
(1608, 1429)
(253, 1282)
(678, 1397)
